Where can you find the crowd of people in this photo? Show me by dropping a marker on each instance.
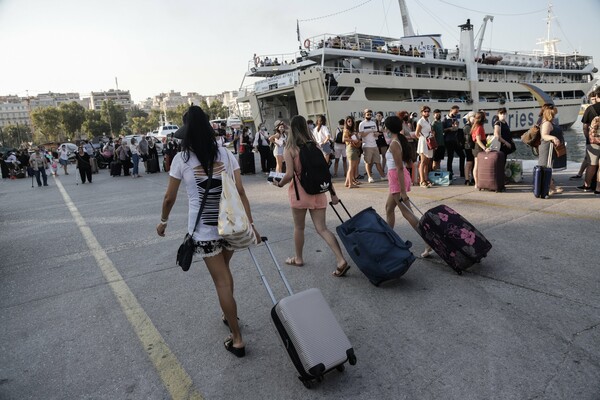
(41, 162)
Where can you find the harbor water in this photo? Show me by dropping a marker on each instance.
(575, 145)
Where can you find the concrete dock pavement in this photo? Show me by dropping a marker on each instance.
(93, 306)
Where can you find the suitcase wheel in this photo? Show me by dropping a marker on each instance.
(352, 359)
(307, 384)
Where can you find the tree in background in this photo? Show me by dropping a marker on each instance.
(72, 116)
(47, 122)
(141, 125)
(114, 115)
(176, 116)
(216, 109)
(94, 125)
(15, 135)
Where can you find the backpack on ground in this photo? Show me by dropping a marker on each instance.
(315, 177)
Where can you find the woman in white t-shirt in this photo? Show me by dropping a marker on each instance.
(322, 137)
(279, 138)
(423, 131)
(199, 154)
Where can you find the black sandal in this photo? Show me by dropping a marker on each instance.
(236, 351)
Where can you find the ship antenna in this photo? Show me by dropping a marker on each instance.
(406, 23)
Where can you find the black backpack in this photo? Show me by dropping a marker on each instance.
(339, 136)
(315, 177)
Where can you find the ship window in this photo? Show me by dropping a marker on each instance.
(522, 96)
(491, 96)
(385, 94)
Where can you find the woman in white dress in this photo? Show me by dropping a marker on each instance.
(422, 132)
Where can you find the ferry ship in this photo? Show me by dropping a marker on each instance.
(342, 74)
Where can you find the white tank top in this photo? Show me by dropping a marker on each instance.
(389, 158)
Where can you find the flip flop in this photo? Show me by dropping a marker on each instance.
(341, 271)
(237, 351)
(292, 261)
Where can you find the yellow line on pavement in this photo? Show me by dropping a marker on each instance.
(176, 380)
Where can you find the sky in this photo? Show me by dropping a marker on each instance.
(154, 46)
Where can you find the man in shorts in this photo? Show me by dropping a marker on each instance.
(368, 130)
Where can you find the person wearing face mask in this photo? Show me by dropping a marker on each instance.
(502, 133)
(279, 139)
(261, 143)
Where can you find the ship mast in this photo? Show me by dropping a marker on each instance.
(406, 24)
(549, 44)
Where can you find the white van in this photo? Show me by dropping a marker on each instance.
(166, 130)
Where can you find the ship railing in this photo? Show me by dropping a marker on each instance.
(273, 60)
(396, 71)
(369, 44)
(536, 59)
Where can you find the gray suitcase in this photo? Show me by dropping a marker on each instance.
(308, 329)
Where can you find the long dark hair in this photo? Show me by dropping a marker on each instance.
(394, 125)
(199, 138)
(299, 133)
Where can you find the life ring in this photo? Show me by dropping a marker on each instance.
(256, 61)
(307, 44)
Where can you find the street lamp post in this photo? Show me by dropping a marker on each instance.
(109, 119)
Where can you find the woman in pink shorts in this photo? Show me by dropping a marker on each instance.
(398, 158)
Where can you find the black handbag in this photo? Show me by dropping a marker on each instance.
(185, 253)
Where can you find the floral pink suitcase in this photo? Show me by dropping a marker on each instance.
(452, 237)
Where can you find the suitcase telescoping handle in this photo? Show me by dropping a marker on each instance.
(336, 212)
(401, 204)
(262, 275)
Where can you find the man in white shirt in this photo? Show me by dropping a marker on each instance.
(368, 130)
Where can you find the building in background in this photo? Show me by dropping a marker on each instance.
(50, 99)
(14, 112)
(118, 97)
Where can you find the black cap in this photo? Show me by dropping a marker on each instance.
(180, 133)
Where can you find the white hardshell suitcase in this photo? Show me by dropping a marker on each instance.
(308, 330)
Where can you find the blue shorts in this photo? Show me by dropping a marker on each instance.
(63, 162)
